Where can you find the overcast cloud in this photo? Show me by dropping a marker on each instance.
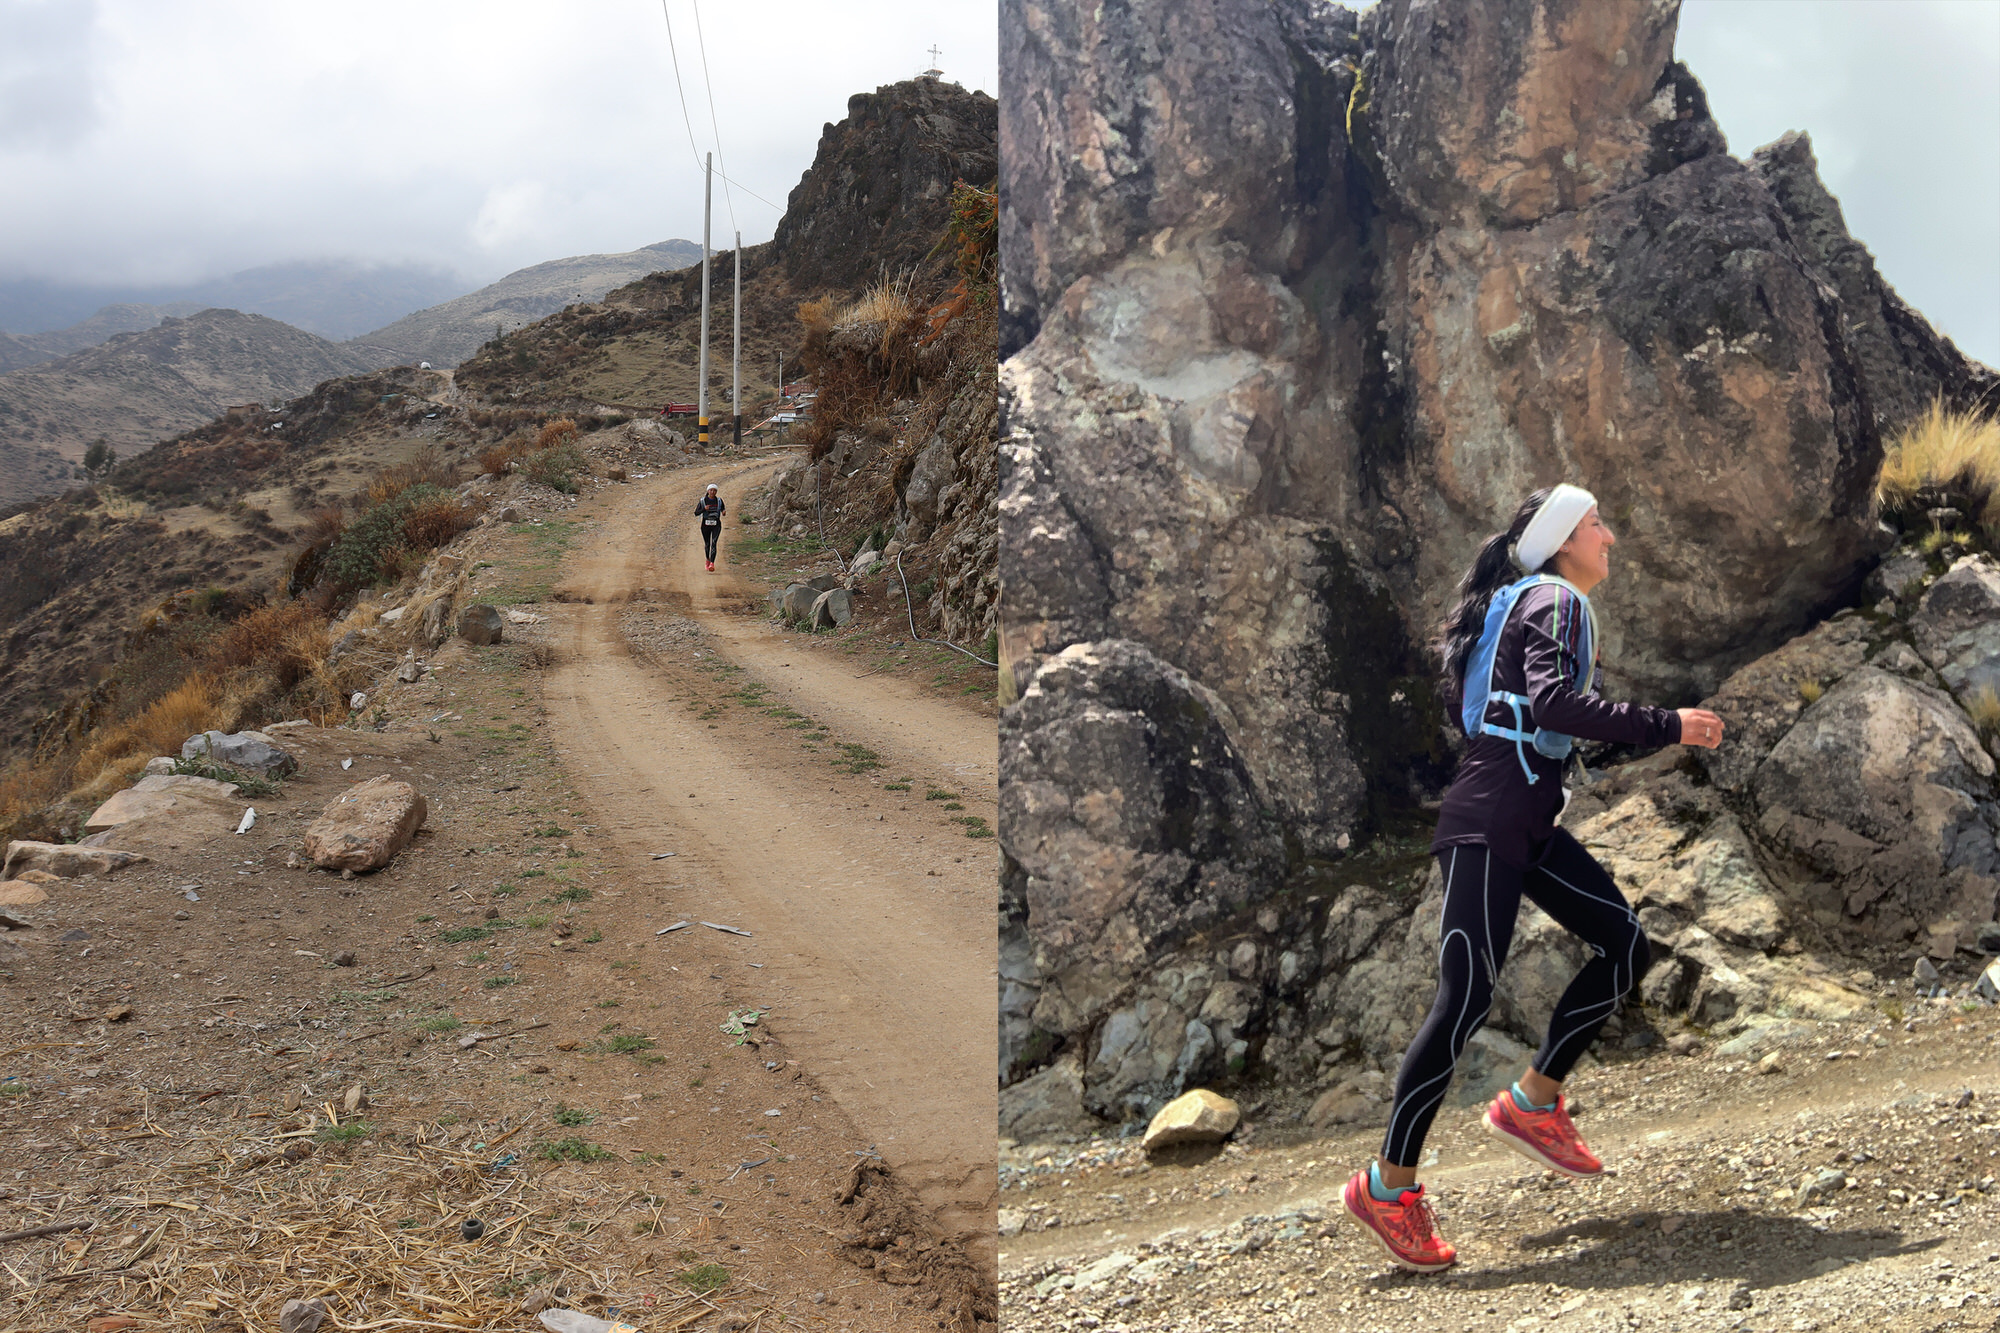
(148, 143)
(1902, 99)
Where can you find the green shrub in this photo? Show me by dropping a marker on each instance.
(555, 467)
(375, 548)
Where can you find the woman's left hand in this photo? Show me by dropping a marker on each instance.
(1700, 727)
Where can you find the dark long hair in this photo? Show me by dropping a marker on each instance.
(1492, 569)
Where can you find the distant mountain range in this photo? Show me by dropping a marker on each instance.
(447, 334)
(335, 299)
(139, 388)
(134, 373)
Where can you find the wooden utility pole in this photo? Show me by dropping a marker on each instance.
(701, 394)
(736, 349)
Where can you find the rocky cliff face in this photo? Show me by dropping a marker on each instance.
(879, 189)
(1299, 306)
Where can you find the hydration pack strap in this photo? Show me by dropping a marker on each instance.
(1518, 735)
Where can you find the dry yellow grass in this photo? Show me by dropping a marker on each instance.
(195, 705)
(1943, 457)
(1984, 710)
(886, 303)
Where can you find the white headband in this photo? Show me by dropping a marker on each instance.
(1551, 526)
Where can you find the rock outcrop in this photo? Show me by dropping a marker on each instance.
(245, 751)
(1299, 305)
(878, 190)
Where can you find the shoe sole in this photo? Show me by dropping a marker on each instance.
(1409, 1265)
(1531, 1152)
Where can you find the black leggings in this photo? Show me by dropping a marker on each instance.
(709, 535)
(1481, 896)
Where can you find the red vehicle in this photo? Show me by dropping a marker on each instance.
(678, 410)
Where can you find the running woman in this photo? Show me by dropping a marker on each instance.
(1520, 653)
(709, 510)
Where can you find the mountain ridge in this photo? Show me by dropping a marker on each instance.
(449, 332)
(138, 388)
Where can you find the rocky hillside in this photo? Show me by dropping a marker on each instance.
(447, 334)
(31, 349)
(1280, 360)
(138, 388)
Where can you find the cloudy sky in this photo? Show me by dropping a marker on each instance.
(146, 142)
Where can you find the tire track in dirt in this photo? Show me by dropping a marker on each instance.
(873, 923)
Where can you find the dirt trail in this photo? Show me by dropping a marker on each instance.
(916, 727)
(1702, 1223)
(872, 927)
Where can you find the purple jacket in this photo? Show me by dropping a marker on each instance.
(1490, 801)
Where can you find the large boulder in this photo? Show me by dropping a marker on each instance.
(365, 826)
(1200, 1116)
(1509, 112)
(1884, 787)
(1128, 822)
(795, 603)
(65, 861)
(168, 794)
(245, 751)
(936, 466)
(1047, 1104)
(831, 609)
(480, 624)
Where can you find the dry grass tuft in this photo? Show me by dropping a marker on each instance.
(1943, 459)
(1984, 710)
(498, 460)
(195, 705)
(266, 638)
(886, 303)
(558, 432)
(427, 467)
(434, 521)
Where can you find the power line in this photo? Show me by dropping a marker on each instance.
(688, 120)
(709, 84)
(685, 117)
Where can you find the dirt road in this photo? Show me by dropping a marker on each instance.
(1847, 1185)
(871, 922)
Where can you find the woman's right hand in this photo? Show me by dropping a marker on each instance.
(1700, 727)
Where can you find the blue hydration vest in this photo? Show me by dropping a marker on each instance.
(1479, 691)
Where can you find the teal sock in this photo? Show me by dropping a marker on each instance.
(1383, 1193)
(1521, 1101)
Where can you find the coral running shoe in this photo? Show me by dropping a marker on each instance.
(1406, 1229)
(711, 566)
(1546, 1138)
